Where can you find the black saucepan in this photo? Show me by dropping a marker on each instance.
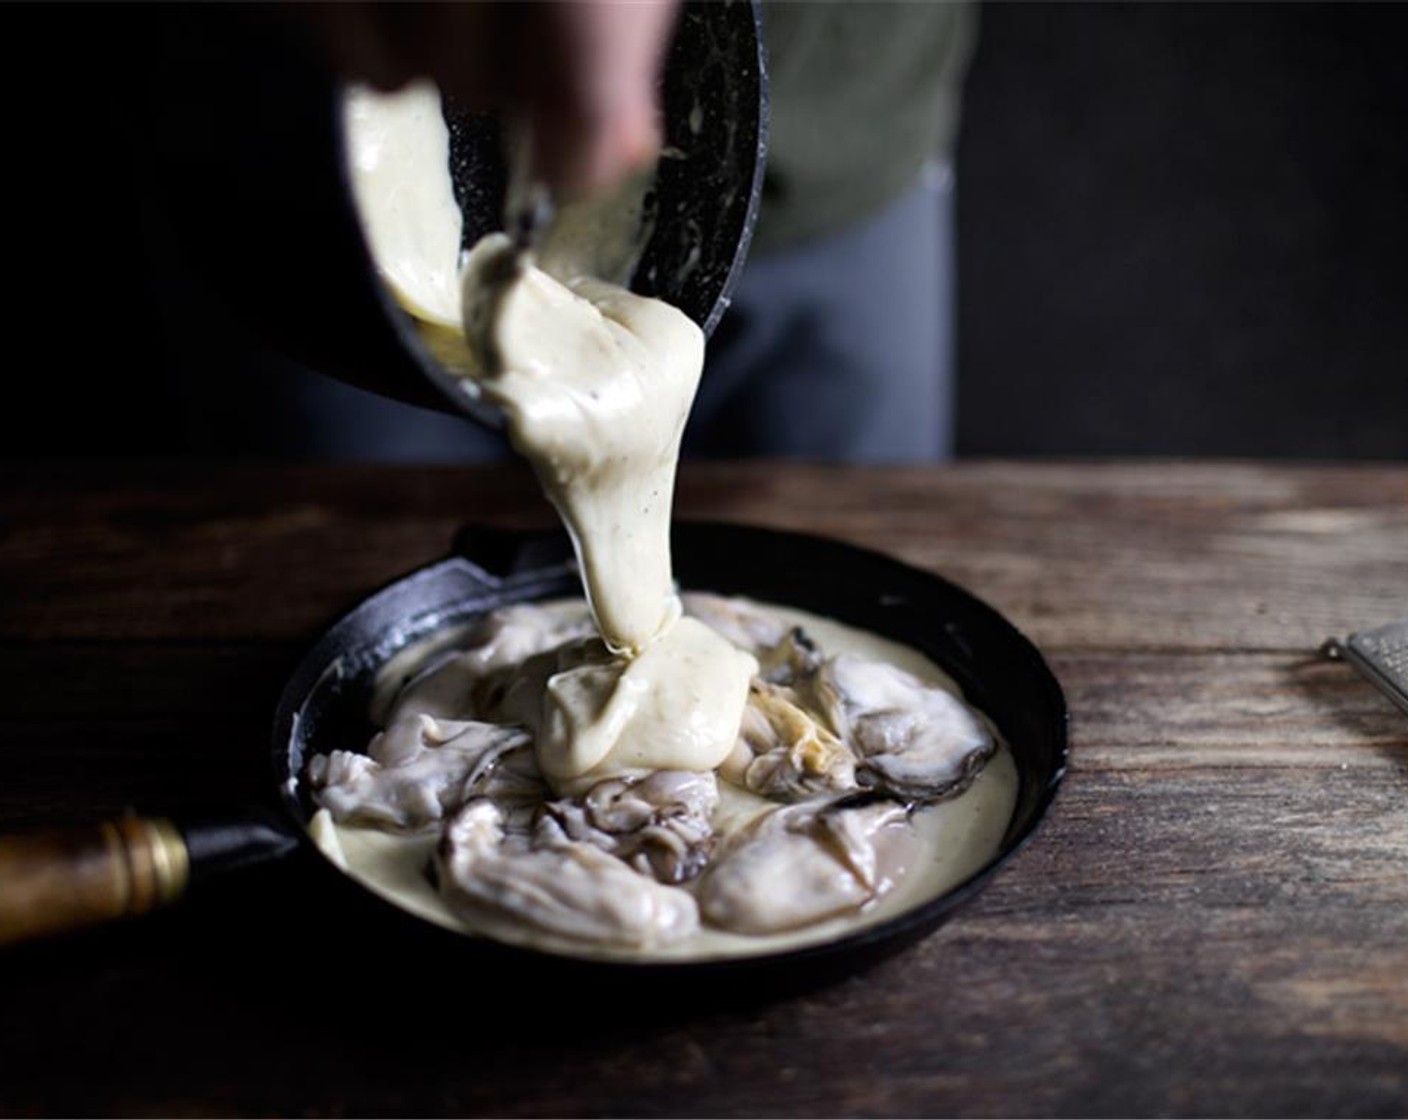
(325, 706)
(238, 144)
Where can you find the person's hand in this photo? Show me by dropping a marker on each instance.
(580, 73)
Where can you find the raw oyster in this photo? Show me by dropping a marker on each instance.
(502, 877)
(801, 864)
(421, 769)
(785, 653)
(469, 684)
(917, 741)
(784, 753)
(741, 623)
(657, 822)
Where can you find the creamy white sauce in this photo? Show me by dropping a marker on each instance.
(596, 384)
(412, 222)
(399, 150)
(957, 838)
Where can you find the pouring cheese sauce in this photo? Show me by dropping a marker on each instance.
(648, 782)
(596, 384)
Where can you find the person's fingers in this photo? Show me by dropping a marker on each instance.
(461, 47)
(587, 80)
(355, 39)
(464, 47)
(582, 73)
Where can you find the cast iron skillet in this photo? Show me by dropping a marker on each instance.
(325, 707)
(325, 703)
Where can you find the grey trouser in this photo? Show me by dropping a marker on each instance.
(842, 348)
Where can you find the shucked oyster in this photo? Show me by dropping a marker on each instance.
(784, 753)
(420, 770)
(917, 741)
(741, 623)
(469, 683)
(566, 887)
(657, 822)
(785, 653)
(801, 864)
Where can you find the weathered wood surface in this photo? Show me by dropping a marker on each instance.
(1147, 556)
(1214, 919)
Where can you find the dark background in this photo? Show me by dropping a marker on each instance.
(1183, 229)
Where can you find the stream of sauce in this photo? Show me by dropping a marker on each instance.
(596, 384)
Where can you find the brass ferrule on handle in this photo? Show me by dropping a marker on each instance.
(51, 882)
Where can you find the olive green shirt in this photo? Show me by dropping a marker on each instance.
(862, 93)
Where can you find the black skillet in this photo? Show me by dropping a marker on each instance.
(325, 706)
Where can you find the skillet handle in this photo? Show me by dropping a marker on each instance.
(51, 882)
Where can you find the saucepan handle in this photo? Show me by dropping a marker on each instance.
(55, 881)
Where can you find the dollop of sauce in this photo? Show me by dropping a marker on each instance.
(672, 707)
(411, 220)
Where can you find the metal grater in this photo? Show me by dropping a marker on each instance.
(1381, 655)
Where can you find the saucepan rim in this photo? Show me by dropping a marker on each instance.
(459, 395)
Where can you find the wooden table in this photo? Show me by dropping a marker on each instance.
(1214, 918)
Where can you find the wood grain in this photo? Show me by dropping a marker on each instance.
(1147, 556)
(1212, 921)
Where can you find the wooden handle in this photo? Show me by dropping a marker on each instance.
(56, 881)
